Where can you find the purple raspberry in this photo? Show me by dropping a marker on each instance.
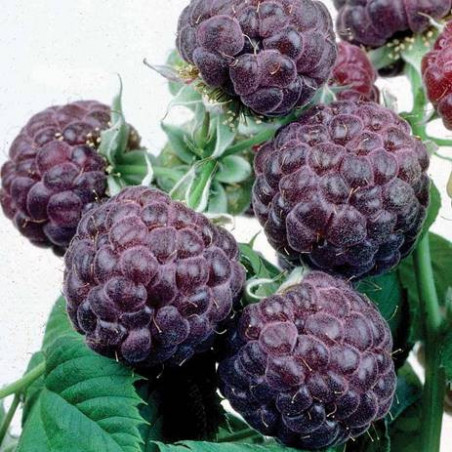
(314, 368)
(354, 70)
(148, 280)
(343, 189)
(374, 22)
(273, 55)
(54, 170)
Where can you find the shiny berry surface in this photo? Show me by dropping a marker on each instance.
(53, 171)
(148, 280)
(437, 74)
(374, 22)
(314, 365)
(273, 55)
(343, 189)
(354, 71)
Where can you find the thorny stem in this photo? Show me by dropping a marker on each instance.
(206, 175)
(204, 132)
(250, 142)
(23, 382)
(435, 379)
(8, 418)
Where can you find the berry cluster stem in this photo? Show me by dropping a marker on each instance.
(8, 418)
(24, 382)
(435, 380)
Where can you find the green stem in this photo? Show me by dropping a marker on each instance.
(238, 436)
(204, 133)
(206, 174)
(8, 418)
(250, 142)
(435, 380)
(441, 142)
(23, 382)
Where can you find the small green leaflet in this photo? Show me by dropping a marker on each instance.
(233, 170)
(84, 403)
(201, 446)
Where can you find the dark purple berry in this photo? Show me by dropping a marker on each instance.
(374, 22)
(312, 366)
(148, 280)
(54, 171)
(273, 55)
(344, 189)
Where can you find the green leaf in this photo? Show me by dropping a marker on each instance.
(218, 201)
(408, 392)
(434, 208)
(441, 251)
(87, 402)
(405, 431)
(239, 197)
(224, 135)
(233, 170)
(376, 439)
(178, 139)
(114, 140)
(388, 294)
(446, 354)
(197, 196)
(202, 446)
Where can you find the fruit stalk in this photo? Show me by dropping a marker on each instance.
(8, 418)
(435, 381)
(23, 382)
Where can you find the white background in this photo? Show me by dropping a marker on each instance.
(54, 51)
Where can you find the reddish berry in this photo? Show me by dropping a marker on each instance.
(311, 366)
(437, 73)
(148, 280)
(354, 70)
(375, 22)
(343, 189)
(273, 55)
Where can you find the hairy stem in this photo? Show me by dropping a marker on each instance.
(8, 418)
(435, 380)
(204, 177)
(24, 382)
(139, 170)
(250, 142)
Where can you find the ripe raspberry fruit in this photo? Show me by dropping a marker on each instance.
(437, 74)
(148, 280)
(354, 69)
(314, 368)
(374, 22)
(54, 170)
(343, 189)
(273, 55)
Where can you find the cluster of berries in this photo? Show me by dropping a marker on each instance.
(342, 189)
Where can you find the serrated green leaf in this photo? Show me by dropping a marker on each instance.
(83, 396)
(441, 252)
(218, 201)
(233, 170)
(178, 139)
(408, 392)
